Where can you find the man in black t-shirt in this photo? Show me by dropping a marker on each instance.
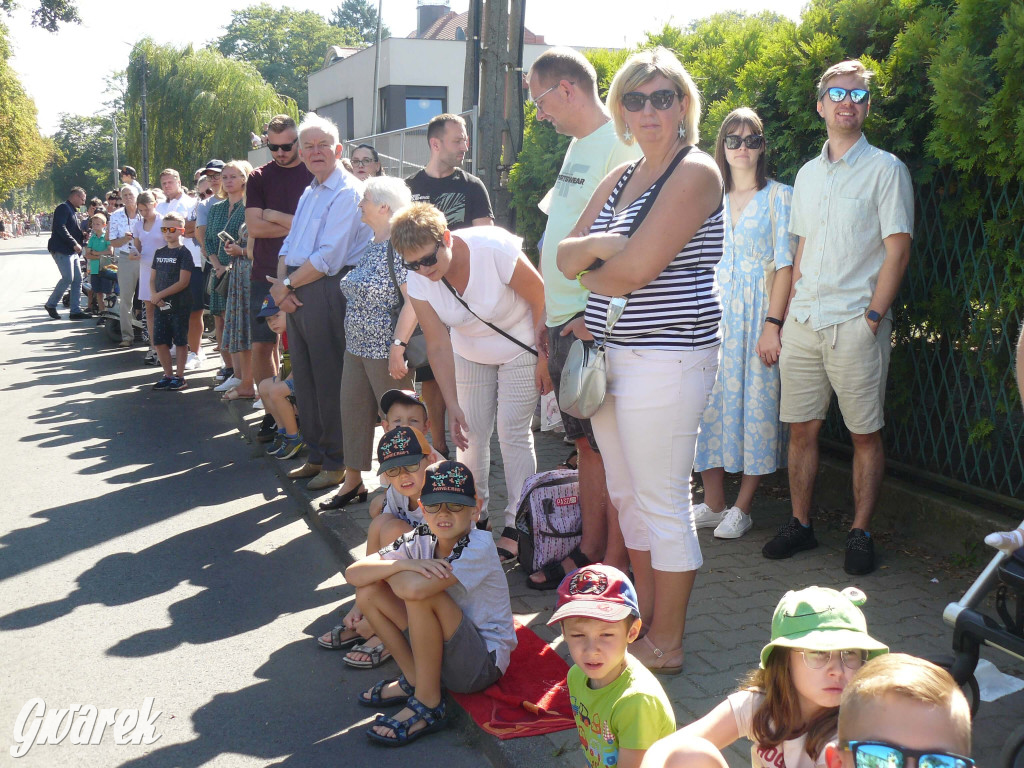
(463, 200)
(169, 285)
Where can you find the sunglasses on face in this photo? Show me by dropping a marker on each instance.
(207, 192)
(426, 261)
(873, 754)
(433, 509)
(286, 147)
(634, 101)
(851, 659)
(857, 95)
(733, 141)
(168, 230)
(407, 468)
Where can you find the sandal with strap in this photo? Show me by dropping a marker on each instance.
(504, 555)
(665, 663)
(375, 699)
(336, 643)
(378, 655)
(554, 572)
(435, 718)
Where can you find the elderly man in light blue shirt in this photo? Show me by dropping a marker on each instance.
(853, 210)
(326, 240)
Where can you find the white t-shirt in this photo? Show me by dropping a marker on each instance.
(788, 754)
(481, 590)
(398, 505)
(183, 204)
(493, 254)
(119, 225)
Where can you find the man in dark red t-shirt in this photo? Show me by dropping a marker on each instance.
(271, 196)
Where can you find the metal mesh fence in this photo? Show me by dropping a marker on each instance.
(404, 152)
(952, 407)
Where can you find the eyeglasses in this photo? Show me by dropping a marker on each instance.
(872, 754)
(851, 659)
(396, 471)
(536, 100)
(168, 230)
(753, 141)
(285, 147)
(857, 95)
(426, 261)
(363, 161)
(433, 509)
(635, 101)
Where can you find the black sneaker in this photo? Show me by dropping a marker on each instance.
(790, 539)
(860, 553)
(164, 383)
(268, 429)
(178, 383)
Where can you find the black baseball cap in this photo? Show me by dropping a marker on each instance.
(402, 446)
(449, 481)
(404, 396)
(129, 171)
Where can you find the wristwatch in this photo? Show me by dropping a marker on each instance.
(873, 316)
(399, 343)
(287, 283)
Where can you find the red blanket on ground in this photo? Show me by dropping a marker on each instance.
(530, 699)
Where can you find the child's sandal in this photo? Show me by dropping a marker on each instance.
(375, 699)
(436, 719)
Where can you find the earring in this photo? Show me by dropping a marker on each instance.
(627, 136)
(682, 131)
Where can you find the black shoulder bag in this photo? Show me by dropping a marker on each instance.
(492, 326)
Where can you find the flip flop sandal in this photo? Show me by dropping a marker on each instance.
(378, 655)
(232, 394)
(504, 555)
(554, 572)
(376, 700)
(436, 719)
(336, 643)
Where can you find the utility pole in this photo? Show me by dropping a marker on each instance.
(376, 73)
(145, 124)
(117, 162)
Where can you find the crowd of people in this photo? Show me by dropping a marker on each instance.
(15, 224)
(730, 306)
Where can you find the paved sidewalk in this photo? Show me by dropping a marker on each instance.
(729, 616)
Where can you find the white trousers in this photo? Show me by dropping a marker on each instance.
(127, 281)
(508, 392)
(647, 431)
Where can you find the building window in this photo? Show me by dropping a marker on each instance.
(420, 111)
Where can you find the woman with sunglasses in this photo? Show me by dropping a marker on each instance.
(652, 235)
(366, 162)
(147, 238)
(740, 430)
(479, 283)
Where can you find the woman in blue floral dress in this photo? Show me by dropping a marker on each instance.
(740, 430)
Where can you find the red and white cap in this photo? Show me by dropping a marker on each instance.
(596, 591)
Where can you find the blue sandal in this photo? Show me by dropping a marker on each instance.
(436, 719)
(375, 699)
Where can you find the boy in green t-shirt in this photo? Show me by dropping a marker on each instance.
(620, 707)
(97, 247)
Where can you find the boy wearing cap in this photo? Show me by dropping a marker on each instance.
(620, 707)
(443, 581)
(897, 707)
(278, 394)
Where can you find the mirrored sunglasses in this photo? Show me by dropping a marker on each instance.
(634, 101)
(879, 754)
(857, 95)
(167, 230)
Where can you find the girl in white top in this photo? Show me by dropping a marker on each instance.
(148, 238)
(479, 284)
(789, 706)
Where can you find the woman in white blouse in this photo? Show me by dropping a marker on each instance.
(480, 284)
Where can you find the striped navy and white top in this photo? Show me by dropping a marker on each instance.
(680, 308)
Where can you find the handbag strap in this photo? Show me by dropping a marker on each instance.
(772, 194)
(492, 326)
(394, 277)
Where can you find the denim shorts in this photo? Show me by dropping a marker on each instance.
(171, 326)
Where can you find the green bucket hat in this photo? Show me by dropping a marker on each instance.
(822, 619)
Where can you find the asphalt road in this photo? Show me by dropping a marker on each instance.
(147, 550)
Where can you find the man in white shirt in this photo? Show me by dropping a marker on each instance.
(563, 87)
(853, 210)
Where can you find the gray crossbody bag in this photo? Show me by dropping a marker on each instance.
(585, 373)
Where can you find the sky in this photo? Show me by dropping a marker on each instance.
(64, 72)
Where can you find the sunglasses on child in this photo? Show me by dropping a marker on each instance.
(168, 230)
(851, 659)
(634, 101)
(407, 468)
(286, 147)
(433, 509)
(426, 261)
(857, 95)
(872, 754)
(753, 141)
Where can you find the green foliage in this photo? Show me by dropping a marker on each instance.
(84, 155)
(284, 44)
(201, 105)
(23, 151)
(50, 14)
(360, 15)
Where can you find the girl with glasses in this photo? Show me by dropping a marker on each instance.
(789, 706)
(740, 430)
(366, 162)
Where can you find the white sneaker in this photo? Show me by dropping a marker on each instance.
(227, 384)
(257, 404)
(705, 518)
(734, 524)
(192, 362)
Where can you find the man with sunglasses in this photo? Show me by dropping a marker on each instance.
(271, 195)
(563, 88)
(900, 711)
(853, 210)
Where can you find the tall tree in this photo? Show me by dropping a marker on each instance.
(84, 154)
(23, 151)
(200, 105)
(361, 15)
(50, 14)
(284, 44)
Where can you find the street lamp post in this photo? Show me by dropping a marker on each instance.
(117, 162)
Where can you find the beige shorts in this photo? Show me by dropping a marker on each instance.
(847, 359)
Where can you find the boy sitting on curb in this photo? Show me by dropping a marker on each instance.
(278, 395)
(443, 582)
(620, 707)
